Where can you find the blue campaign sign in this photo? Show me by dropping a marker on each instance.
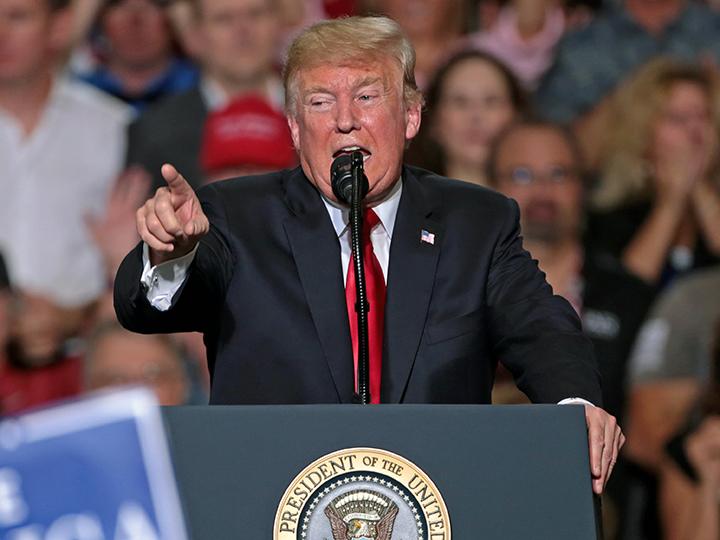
(94, 469)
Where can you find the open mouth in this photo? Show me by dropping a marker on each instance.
(350, 149)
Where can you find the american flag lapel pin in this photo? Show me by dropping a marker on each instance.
(427, 237)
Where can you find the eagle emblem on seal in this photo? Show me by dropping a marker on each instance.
(361, 515)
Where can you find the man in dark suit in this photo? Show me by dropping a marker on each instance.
(258, 264)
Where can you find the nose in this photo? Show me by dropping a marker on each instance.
(346, 119)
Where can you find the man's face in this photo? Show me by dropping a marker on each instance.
(341, 108)
(137, 31)
(536, 167)
(419, 17)
(29, 34)
(122, 358)
(238, 39)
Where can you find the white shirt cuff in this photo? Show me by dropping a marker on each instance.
(575, 401)
(163, 280)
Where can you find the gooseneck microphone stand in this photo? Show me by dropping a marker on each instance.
(350, 186)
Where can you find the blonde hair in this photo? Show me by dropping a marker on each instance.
(350, 40)
(629, 124)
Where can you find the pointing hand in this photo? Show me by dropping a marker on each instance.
(172, 222)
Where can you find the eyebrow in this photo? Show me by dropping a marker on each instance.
(367, 81)
(362, 83)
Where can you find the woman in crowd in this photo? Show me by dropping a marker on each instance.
(524, 36)
(657, 203)
(470, 100)
(690, 477)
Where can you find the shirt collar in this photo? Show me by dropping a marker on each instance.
(216, 98)
(386, 210)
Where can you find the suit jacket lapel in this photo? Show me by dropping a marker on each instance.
(411, 276)
(316, 251)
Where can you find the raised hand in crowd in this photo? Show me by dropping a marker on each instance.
(690, 510)
(172, 222)
(703, 451)
(115, 232)
(40, 327)
(657, 202)
(686, 203)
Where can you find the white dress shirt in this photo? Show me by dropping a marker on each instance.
(50, 181)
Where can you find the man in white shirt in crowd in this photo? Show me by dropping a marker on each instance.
(61, 147)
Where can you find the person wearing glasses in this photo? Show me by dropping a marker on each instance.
(539, 165)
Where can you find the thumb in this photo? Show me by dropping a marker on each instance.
(175, 181)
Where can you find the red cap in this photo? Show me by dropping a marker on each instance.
(246, 133)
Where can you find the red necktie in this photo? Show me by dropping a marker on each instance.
(375, 286)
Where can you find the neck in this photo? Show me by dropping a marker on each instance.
(236, 87)
(136, 78)
(654, 16)
(530, 17)
(26, 100)
(466, 172)
(561, 261)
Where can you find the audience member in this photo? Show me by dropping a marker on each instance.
(670, 363)
(435, 28)
(246, 137)
(669, 367)
(690, 472)
(658, 198)
(539, 165)
(36, 364)
(470, 100)
(61, 147)
(524, 37)
(116, 357)
(237, 40)
(138, 63)
(592, 62)
(296, 15)
(113, 230)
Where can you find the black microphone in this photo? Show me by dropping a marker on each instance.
(350, 185)
(341, 176)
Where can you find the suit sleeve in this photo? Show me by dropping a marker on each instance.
(536, 334)
(197, 304)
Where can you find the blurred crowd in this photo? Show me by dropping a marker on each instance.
(600, 118)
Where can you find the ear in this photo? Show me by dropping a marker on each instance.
(60, 36)
(413, 115)
(185, 22)
(294, 130)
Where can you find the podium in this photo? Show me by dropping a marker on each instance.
(504, 472)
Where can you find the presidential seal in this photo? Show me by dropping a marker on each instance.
(362, 494)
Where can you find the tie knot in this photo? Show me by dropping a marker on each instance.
(371, 219)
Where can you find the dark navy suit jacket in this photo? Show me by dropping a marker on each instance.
(266, 289)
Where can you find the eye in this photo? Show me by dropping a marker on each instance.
(319, 103)
(560, 175)
(521, 176)
(458, 101)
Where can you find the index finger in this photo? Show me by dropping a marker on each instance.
(175, 181)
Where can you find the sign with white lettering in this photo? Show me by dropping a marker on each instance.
(93, 469)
